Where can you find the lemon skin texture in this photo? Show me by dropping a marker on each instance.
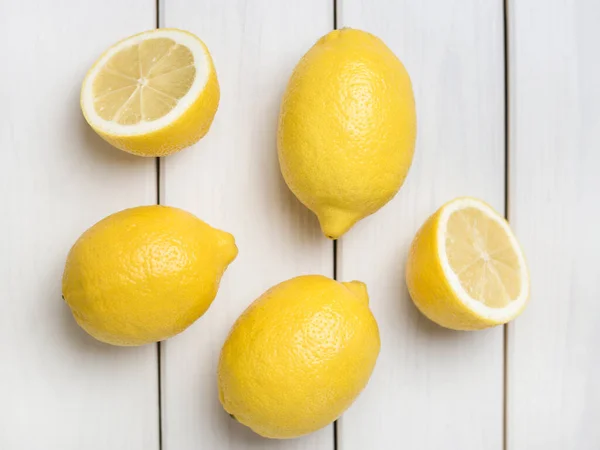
(347, 128)
(297, 358)
(144, 274)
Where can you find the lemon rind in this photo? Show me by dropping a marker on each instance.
(203, 66)
(497, 315)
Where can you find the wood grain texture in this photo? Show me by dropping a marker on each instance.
(432, 388)
(553, 357)
(232, 180)
(61, 389)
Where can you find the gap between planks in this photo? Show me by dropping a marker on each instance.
(159, 9)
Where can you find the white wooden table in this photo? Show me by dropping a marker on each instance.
(508, 101)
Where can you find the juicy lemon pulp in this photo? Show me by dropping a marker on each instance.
(480, 255)
(143, 82)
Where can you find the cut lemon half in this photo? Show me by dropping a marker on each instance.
(465, 269)
(153, 93)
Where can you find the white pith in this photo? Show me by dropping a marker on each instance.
(495, 314)
(201, 63)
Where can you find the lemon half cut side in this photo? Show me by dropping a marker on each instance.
(466, 270)
(152, 94)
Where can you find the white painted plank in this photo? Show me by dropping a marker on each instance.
(231, 179)
(432, 388)
(60, 389)
(554, 363)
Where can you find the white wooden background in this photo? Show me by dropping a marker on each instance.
(508, 102)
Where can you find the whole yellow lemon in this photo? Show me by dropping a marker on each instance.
(145, 274)
(347, 128)
(297, 358)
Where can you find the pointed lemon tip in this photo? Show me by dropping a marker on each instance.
(358, 288)
(335, 222)
(226, 243)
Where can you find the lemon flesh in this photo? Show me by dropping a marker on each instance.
(144, 81)
(347, 128)
(144, 274)
(153, 93)
(465, 269)
(298, 357)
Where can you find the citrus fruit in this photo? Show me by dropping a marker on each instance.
(153, 93)
(298, 356)
(144, 274)
(465, 268)
(347, 128)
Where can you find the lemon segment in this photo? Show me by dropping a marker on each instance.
(152, 94)
(465, 269)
